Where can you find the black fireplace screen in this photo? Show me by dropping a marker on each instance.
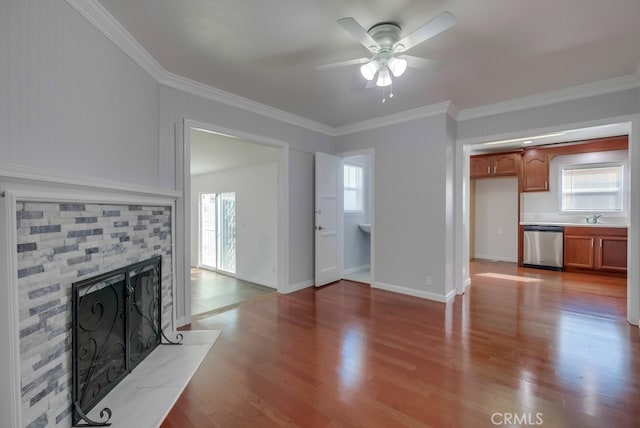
(116, 324)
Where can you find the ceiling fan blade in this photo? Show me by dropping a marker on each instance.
(342, 63)
(352, 27)
(436, 26)
(422, 63)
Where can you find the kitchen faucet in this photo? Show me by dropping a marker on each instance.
(594, 218)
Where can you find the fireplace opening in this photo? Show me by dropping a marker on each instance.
(116, 323)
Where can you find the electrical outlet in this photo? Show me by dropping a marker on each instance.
(429, 280)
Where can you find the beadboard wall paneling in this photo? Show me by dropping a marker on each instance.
(613, 104)
(71, 100)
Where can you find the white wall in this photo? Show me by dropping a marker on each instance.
(356, 242)
(411, 207)
(496, 222)
(256, 188)
(72, 102)
(545, 206)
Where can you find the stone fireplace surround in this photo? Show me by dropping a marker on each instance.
(54, 235)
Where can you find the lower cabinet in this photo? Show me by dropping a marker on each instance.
(595, 249)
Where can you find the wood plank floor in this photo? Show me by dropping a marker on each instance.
(549, 347)
(212, 292)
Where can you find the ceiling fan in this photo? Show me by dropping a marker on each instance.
(388, 49)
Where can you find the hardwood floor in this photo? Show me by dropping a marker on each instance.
(212, 292)
(521, 346)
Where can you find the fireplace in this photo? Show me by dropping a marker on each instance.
(58, 244)
(116, 323)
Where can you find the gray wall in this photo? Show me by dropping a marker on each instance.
(412, 169)
(70, 100)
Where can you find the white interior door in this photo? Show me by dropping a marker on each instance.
(328, 219)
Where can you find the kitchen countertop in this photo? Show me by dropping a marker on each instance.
(555, 223)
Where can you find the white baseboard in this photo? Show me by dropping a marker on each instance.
(412, 292)
(450, 296)
(297, 286)
(355, 269)
(496, 258)
(241, 277)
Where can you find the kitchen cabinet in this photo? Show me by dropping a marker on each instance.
(595, 249)
(535, 170)
(497, 165)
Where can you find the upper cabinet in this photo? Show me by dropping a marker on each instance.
(535, 170)
(501, 164)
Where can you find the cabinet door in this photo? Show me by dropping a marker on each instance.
(481, 166)
(578, 251)
(506, 164)
(535, 172)
(611, 253)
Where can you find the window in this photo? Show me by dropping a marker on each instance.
(353, 188)
(595, 187)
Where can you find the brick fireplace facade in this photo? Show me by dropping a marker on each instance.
(61, 243)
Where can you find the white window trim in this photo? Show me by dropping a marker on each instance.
(625, 187)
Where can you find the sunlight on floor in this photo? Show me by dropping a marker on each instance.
(509, 277)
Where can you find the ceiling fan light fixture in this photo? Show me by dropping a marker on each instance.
(384, 78)
(369, 69)
(397, 66)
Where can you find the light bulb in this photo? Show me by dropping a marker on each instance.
(384, 79)
(369, 70)
(397, 66)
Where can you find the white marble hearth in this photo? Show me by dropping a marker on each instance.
(145, 397)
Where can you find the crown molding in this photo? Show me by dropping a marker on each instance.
(392, 119)
(560, 95)
(97, 15)
(202, 90)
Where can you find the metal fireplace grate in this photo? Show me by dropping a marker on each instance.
(116, 323)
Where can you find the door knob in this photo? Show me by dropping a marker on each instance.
(319, 228)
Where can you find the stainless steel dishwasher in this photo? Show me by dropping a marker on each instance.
(543, 246)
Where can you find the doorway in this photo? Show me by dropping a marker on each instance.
(466, 202)
(234, 213)
(357, 234)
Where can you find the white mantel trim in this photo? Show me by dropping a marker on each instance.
(33, 175)
(10, 390)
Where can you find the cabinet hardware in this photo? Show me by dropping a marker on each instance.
(495, 168)
(592, 242)
(546, 185)
(488, 170)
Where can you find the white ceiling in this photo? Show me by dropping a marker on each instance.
(498, 50)
(214, 153)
